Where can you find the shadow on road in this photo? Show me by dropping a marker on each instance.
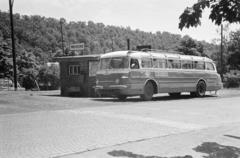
(158, 98)
(231, 136)
(122, 153)
(213, 149)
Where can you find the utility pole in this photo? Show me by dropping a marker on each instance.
(221, 51)
(128, 44)
(112, 44)
(61, 23)
(13, 45)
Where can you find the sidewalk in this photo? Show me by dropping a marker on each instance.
(218, 142)
(54, 133)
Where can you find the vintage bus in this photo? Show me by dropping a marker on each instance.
(131, 73)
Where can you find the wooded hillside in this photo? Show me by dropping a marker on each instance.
(38, 40)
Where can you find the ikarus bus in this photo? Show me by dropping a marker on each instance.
(131, 73)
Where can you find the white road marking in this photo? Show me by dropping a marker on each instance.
(169, 123)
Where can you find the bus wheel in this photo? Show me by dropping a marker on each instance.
(122, 97)
(148, 92)
(193, 94)
(200, 89)
(174, 94)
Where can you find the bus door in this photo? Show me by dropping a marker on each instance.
(136, 74)
(175, 79)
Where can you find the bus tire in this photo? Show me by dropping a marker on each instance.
(200, 89)
(148, 92)
(174, 94)
(122, 97)
(193, 94)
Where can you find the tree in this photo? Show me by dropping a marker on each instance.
(221, 10)
(234, 48)
(5, 59)
(49, 77)
(188, 46)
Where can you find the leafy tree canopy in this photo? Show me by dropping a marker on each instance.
(234, 49)
(221, 10)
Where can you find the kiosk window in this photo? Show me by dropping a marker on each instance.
(74, 69)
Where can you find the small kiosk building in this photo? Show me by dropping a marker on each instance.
(78, 75)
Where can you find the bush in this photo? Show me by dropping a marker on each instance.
(48, 78)
(232, 82)
(28, 82)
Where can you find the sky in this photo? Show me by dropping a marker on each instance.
(145, 15)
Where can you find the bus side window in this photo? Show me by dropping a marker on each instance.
(163, 63)
(155, 63)
(146, 62)
(199, 65)
(134, 64)
(170, 64)
(174, 64)
(159, 63)
(186, 64)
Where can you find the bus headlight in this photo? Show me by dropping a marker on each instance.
(124, 77)
(117, 81)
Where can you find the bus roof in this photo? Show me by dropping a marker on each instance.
(141, 54)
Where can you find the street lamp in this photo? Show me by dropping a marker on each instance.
(13, 45)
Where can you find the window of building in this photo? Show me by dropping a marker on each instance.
(186, 64)
(209, 66)
(159, 63)
(93, 68)
(146, 63)
(199, 65)
(174, 64)
(74, 69)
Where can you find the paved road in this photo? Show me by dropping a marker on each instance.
(36, 124)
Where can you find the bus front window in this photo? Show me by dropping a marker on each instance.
(114, 63)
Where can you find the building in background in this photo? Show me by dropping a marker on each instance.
(78, 75)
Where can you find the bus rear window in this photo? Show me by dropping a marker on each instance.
(114, 63)
(209, 66)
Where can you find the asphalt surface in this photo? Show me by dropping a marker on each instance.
(43, 124)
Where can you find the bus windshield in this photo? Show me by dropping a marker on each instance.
(114, 63)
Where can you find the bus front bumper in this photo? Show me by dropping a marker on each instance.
(113, 90)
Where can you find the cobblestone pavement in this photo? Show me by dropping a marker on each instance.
(217, 142)
(59, 131)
